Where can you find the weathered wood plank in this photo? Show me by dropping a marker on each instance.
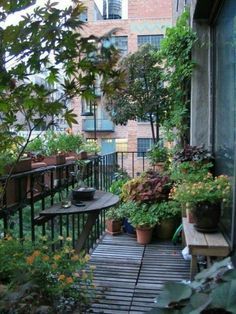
(128, 276)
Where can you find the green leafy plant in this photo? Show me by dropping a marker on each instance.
(144, 216)
(158, 154)
(114, 214)
(126, 208)
(91, 147)
(143, 94)
(190, 171)
(175, 52)
(210, 189)
(120, 179)
(46, 43)
(37, 276)
(150, 186)
(166, 209)
(212, 291)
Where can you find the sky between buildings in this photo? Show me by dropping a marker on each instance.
(15, 18)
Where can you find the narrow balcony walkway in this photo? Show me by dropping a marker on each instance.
(128, 275)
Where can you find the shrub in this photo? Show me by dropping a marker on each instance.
(37, 276)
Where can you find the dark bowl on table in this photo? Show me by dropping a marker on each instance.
(83, 194)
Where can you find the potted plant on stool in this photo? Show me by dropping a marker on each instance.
(206, 198)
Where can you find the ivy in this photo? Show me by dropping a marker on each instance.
(176, 50)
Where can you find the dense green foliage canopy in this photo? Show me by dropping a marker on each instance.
(47, 43)
(143, 95)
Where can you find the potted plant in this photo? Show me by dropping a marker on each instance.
(113, 221)
(53, 154)
(81, 192)
(192, 153)
(169, 214)
(158, 157)
(143, 218)
(149, 186)
(206, 198)
(126, 209)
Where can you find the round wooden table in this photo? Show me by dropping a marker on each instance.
(102, 200)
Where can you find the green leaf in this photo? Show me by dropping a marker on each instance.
(224, 296)
(198, 302)
(173, 292)
(211, 272)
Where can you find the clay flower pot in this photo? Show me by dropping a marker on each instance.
(144, 235)
(113, 227)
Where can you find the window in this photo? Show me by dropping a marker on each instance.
(121, 43)
(121, 145)
(224, 101)
(143, 145)
(153, 40)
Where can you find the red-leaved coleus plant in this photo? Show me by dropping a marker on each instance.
(150, 186)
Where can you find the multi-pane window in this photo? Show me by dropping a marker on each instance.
(121, 43)
(143, 144)
(154, 40)
(121, 145)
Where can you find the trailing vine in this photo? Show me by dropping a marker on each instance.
(176, 52)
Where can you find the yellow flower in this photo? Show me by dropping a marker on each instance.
(54, 266)
(61, 277)
(60, 237)
(75, 258)
(56, 257)
(36, 253)
(92, 267)
(84, 276)
(30, 259)
(69, 239)
(69, 280)
(45, 258)
(87, 257)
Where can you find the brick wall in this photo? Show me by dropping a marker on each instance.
(145, 18)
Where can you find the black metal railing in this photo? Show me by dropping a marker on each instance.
(31, 192)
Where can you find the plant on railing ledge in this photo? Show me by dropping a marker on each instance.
(33, 277)
(212, 291)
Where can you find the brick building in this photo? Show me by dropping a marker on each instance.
(138, 22)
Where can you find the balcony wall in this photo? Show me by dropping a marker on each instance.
(102, 125)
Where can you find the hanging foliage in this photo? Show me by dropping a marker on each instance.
(176, 52)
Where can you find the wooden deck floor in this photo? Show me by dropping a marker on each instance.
(128, 275)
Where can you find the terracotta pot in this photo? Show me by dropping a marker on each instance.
(144, 235)
(113, 226)
(207, 216)
(22, 166)
(159, 167)
(54, 160)
(82, 155)
(166, 229)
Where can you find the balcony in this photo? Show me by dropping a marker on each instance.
(124, 269)
(102, 125)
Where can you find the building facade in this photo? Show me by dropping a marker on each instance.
(213, 91)
(138, 22)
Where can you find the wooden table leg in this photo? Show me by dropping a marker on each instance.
(193, 267)
(91, 219)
